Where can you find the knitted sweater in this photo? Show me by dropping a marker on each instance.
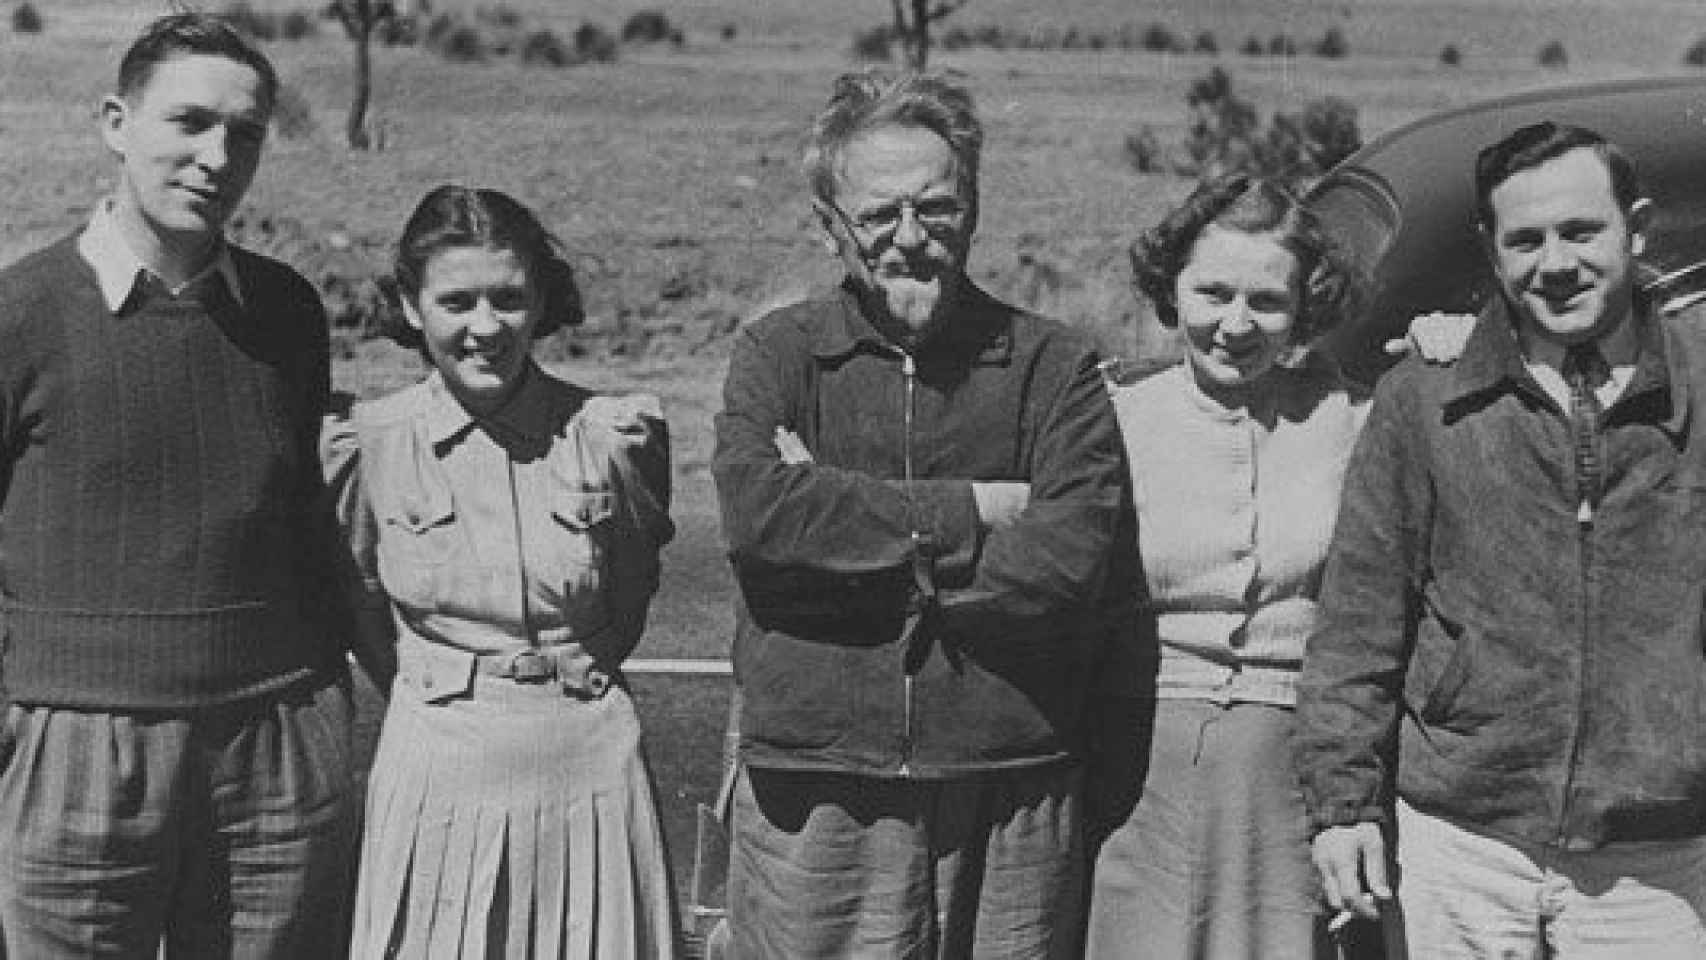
(1235, 511)
(163, 543)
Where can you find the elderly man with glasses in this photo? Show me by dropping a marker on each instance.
(920, 489)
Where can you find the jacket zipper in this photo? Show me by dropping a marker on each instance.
(908, 372)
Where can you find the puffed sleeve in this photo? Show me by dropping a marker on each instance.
(638, 439)
(374, 642)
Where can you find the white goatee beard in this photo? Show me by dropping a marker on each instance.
(913, 305)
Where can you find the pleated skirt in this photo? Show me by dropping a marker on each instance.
(516, 823)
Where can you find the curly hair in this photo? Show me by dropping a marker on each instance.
(1329, 284)
(861, 102)
(456, 216)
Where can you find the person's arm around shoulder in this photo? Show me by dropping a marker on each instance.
(634, 427)
(1351, 689)
(374, 641)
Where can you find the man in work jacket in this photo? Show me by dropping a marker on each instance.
(920, 489)
(1512, 640)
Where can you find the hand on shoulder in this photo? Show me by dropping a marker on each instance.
(632, 417)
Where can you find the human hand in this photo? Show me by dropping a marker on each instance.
(999, 502)
(624, 416)
(791, 447)
(1352, 863)
(1436, 337)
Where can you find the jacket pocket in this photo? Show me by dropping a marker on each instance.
(1443, 666)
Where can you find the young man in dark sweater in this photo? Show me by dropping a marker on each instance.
(174, 763)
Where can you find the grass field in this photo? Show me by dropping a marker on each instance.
(671, 175)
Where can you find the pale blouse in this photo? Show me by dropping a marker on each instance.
(1235, 512)
(537, 526)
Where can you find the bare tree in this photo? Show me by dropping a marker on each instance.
(912, 20)
(360, 18)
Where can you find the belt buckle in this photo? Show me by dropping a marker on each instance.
(531, 666)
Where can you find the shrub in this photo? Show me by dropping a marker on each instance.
(728, 32)
(502, 15)
(1225, 135)
(956, 39)
(1158, 39)
(296, 25)
(1333, 45)
(545, 49)
(249, 21)
(1450, 55)
(438, 30)
(1143, 150)
(398, 31)
(872, 45)
(1281, 45)
(594, 44)
(292, 116)
(463, 44)
(1252, 48)
(1330, 132)
(1553, 56)
(1205, 43)
(1696, 55)
(26, 19)
(646, 26)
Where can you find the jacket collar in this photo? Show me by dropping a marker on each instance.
(979, 328)
(119, 271)
(1492, 361)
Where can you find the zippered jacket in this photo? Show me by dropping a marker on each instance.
(880, 630)
(1508, 658)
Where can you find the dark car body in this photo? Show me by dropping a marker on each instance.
(1404, 205)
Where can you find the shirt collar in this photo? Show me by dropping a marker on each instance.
(118, 269)
(531, 415)
(979, 326)
(1493, 360)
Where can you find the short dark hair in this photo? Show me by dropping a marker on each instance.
(1329, 285)
(861, 102)
(457, 216)
(1533, 145)
(191, 34)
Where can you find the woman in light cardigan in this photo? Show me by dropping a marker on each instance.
(1237, 455)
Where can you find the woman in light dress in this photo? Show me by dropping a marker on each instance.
(1237, 457)
(505, 525)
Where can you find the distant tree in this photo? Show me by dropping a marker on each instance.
(912, 20)
(1158, 38)
(1553, 56)
(646, 26)
(25, 19)
(1252, 48)
(1333, 45)
(1696, 55)
(1451, 56)
(360, 19)
(1206, 43)
(594, 44)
